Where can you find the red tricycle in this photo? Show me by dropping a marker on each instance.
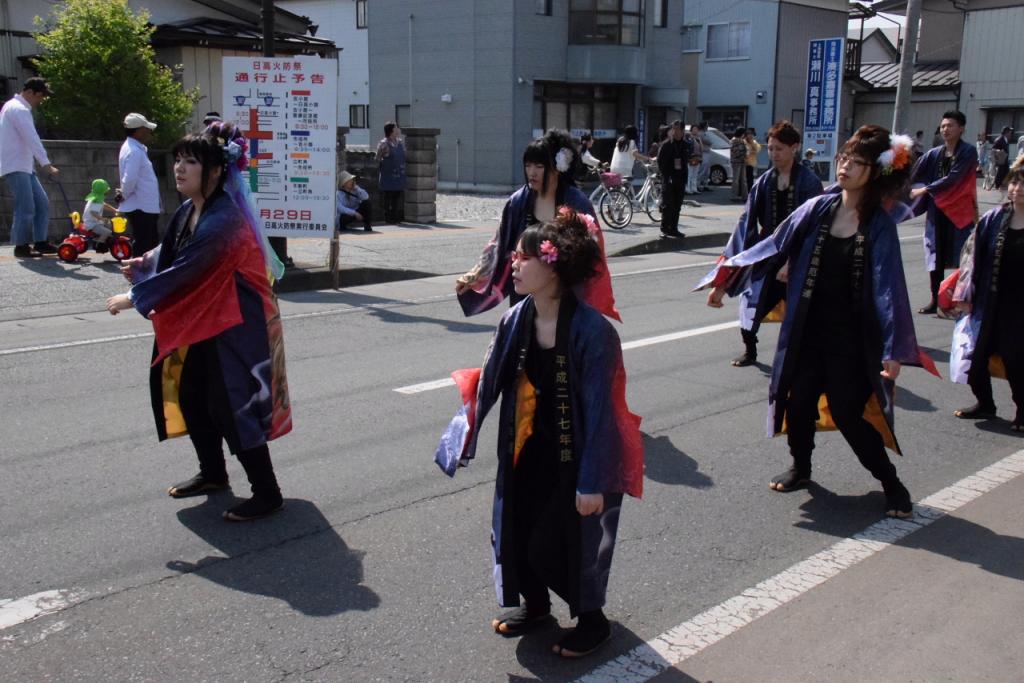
(81, 238)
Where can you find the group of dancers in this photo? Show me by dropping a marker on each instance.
(826, 263)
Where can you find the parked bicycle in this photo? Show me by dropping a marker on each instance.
(618, 201)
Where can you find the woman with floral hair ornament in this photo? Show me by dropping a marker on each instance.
(550, 165)
(218, 363)
(847, 328)
(568, 447)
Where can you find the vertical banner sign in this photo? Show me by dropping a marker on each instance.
(824, 94)
(287, 109)
(641, 130)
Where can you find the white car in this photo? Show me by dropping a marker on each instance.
(720, 171)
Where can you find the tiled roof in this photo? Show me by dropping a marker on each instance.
(221, 33)
(927, 75)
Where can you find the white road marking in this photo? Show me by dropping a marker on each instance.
(70, 344)
(13, 612)
(697, 634)
(635, 344)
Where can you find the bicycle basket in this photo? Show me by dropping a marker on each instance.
(611, 180)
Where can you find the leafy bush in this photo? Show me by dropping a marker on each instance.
(98, 59)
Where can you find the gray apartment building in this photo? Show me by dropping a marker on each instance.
(491, 74)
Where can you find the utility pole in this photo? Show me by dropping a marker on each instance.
(278, 244)
(903, 88)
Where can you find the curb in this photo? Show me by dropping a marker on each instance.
(306, 277)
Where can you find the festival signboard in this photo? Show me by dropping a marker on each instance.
(287, 109)
(824, 95)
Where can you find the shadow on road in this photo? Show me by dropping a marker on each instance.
(50, 267)
(666, 464)
(908, 400)
(937, 355)
(294, 556)
(534, 654)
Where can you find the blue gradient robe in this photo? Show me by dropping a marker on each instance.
(954, 196)
(757, 217)
(607, 444)
(888, 324)
(975, 286)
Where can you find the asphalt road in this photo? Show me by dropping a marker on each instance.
(379, 566)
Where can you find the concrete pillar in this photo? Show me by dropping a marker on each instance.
(421, 171)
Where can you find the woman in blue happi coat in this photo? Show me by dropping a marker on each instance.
(550, 165)
(847, 327)
(568, 447)
(989, 339)
(774, 196)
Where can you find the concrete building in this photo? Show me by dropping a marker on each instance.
(748, 59)
(490, 74)
(344, 22)
(992, 67)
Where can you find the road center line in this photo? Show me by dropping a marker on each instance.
(335, 311)
(691, 637)
(635, 344)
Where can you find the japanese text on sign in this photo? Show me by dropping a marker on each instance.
(287, 109)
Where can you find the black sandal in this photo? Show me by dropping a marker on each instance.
(520, 620)
(196, 486)
(790, 480)
(591, 632)
(930, 309)
(746, 359)
(254, 508)
(897, 500)
(976, 412)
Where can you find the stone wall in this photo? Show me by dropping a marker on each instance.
(80, 162)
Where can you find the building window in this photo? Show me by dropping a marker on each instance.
(403, 115)
(725, 119)
(579, 109)
(544, 7)
(728, 41)
(357, 115)
(361, 14)
(660, 13)
(606, 22)
(691, 38)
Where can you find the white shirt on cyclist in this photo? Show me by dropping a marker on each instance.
(622, 161)
(589, 159)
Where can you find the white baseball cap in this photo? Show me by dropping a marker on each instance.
(134, 120)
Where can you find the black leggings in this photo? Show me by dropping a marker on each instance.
(980, 381)
(844, 381)
(207, 412)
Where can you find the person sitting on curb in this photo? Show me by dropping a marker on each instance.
(353, 203)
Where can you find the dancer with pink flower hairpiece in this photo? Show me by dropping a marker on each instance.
(568, 447)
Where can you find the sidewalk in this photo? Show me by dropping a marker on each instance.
(946, 603)
(48, 286)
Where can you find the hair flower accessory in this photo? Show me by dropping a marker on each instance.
(548, 252)
(563, 160)
(586, 218)
(897, 157)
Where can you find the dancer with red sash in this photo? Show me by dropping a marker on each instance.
(218, 364)
(945, 187)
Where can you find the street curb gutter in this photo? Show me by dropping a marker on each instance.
(309, 277)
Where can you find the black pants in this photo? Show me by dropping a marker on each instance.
(844, 381)
(672, 201)
(750, 177)
(392, 205)
(207, 412)
(980, 381)
(365, 209)
(144, 231)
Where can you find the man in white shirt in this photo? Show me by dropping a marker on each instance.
(139, 194)
(20, 148)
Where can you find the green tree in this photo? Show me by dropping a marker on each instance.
(98, 59)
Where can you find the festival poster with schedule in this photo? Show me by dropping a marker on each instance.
(287, 109)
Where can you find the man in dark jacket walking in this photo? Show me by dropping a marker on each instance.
(673, 159)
